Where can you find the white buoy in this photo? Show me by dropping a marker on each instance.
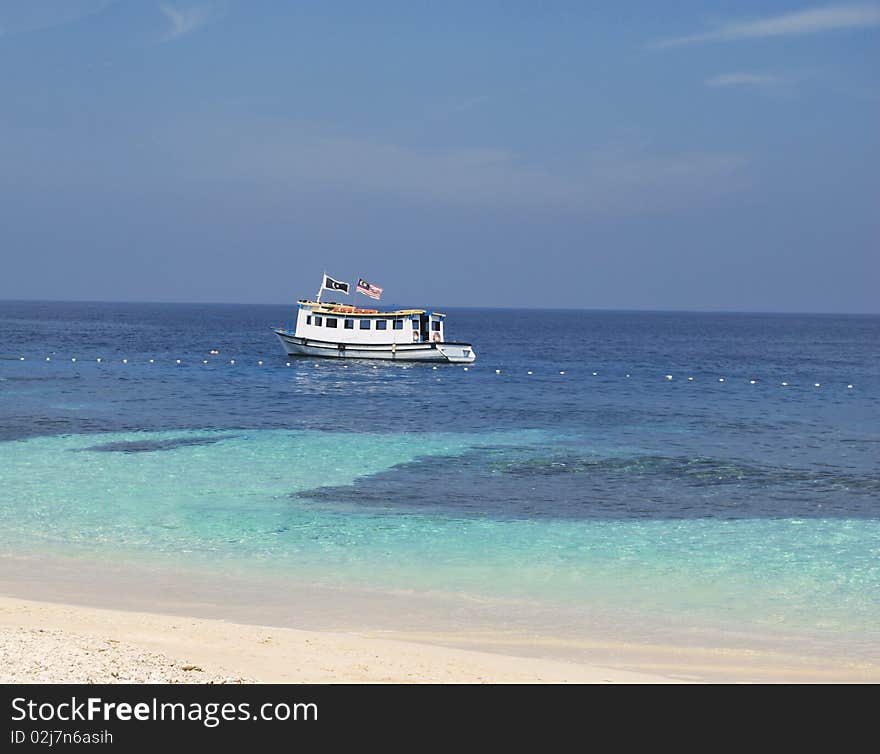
(232, 361)
(784, 384)
(152, 361)
(73, 359)
(816, 385)
(751, 382)
(259, 363)
(528, 372)
(595, 373)
(48, 359)
(178, 361)
(433, 367)
(375, 367)
(288, 363)
(21, 358)
(690, 379)
(125, 361)
(668, 376)
(627, 376)
(465, 369)
(849, 387)
(497, 371)
(98, 359)
(204, 361)
(562, 373)
(720, 379)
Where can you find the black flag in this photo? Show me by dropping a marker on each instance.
(334, 285)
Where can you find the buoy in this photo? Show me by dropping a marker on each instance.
(73, 359)
(465, 369)
(497, 371)
(817, 385)
(668, 376)
(433, 367)
(751, 382)
(627, 375)
(784, 384)
(720, 379)
(152, 361)
(288, 363)
(232, 361)
(259, 363)
(690, 379)
(178, 361)
(528, 372)
(21, 358)
(562, 373)
(125, 361)
(595, 373)
(48, 359)
(849, 387)
(204, 361)
(98, 359)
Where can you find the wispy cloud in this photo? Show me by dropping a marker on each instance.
(185, 19)
(810, 21)
(744, 79)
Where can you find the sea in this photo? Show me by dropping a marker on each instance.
(657, 476)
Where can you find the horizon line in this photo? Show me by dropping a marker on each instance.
(459, 306)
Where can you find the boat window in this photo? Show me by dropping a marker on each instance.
(435, 325)
(415, 324)
(308, 319)
(349, 324)
(332, 322)
(398, 324)
(381, 324)
(318, 321)
(365, 324)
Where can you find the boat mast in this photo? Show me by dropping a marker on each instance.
(320, 289)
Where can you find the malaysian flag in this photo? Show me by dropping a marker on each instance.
(373, 291)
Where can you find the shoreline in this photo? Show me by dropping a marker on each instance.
(153, 622)
(98, 645)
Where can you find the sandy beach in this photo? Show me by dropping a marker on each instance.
(43, 642)
(52, 643)
(75, 620)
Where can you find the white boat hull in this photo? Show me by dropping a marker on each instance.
(455, 353)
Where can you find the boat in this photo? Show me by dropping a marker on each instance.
(349, 332)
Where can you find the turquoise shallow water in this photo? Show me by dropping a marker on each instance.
(736, 503)
(196, 499)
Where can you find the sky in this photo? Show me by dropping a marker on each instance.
(630, 155)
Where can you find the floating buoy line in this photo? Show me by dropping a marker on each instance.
(331, 363)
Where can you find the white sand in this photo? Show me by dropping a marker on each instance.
(45, 642)
(51, 643)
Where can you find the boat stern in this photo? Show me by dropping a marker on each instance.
(457, 353)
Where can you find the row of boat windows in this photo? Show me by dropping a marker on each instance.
(381, 324)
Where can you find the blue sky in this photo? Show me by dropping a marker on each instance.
(631, 155)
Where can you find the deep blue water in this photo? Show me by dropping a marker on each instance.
(563, 465)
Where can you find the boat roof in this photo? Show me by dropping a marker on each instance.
(331, 307)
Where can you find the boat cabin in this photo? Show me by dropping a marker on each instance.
(339, 323)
